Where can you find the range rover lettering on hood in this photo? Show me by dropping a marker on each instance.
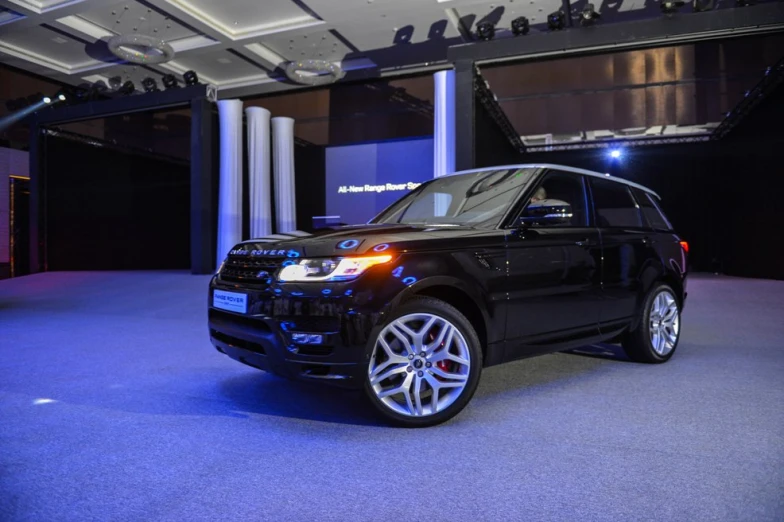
(265, 253)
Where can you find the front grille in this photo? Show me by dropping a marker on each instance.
(255, 324)
(253, 270)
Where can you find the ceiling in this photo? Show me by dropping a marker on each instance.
(241, 44)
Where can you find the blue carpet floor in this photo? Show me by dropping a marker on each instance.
(114, 406)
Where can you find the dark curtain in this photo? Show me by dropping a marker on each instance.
(112, 210)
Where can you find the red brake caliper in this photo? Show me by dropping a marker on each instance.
(441, 365)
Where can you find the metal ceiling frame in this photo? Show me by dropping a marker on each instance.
(181, 97)
(600, 39)
(773, 77)
(656, 32)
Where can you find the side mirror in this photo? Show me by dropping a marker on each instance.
(546, 212)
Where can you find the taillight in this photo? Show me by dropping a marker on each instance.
(685, 246)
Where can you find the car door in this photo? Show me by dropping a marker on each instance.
(553, 271)
(627, 249)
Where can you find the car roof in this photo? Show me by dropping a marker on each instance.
(564, 168)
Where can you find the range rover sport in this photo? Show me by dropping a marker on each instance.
(464, 272)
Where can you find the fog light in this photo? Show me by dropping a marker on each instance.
(306, 338)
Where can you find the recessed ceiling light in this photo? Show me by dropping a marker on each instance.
(59, 39)
(224, 60)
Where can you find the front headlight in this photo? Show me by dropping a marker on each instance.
(341, 269)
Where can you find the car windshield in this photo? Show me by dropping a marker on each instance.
(478, 199)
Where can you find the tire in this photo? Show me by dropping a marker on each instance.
(658, 332)
(413, 391)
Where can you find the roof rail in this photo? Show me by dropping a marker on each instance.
(567, 169)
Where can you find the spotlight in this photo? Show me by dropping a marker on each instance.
(59, 97)
(485, 31)
(62, 95)
(191, 78)
(97, 90)
(616, 153)
(556, 21)
(127, 88)
(80, 92)
(588, 15)
(115, 82)
(149, 84)
(520, 26)
(169, 81)
(671, 6)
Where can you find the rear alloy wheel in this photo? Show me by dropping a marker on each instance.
(425, 364)
(657, 335)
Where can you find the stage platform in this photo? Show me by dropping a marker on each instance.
(114, 406)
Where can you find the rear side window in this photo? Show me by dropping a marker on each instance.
(651, 211)
(614, 204)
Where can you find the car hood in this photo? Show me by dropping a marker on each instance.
(356, 240)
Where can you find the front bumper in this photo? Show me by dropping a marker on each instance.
(346, 315)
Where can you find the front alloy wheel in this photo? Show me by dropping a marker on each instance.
(425, 364)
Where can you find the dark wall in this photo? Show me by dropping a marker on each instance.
(346, 113)
(309, 184)
(724, 197)
(110, 210)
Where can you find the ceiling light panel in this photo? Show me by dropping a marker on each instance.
(133, 18)
(249, 18)
(37, 41)
(43, 6)
(8, 16)
(321, 45)
(209, 65)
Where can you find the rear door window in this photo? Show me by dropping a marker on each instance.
(614, 205)
(651, 211)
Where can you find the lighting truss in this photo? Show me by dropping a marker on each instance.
(401, 96)
(774, 76)
(639, 142)
(490, 103)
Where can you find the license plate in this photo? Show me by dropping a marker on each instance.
(231, 301)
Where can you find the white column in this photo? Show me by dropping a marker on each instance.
(258, 121)
(230, 188)
(443, 131)
(283, 167)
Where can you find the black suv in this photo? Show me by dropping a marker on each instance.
(464, 272)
